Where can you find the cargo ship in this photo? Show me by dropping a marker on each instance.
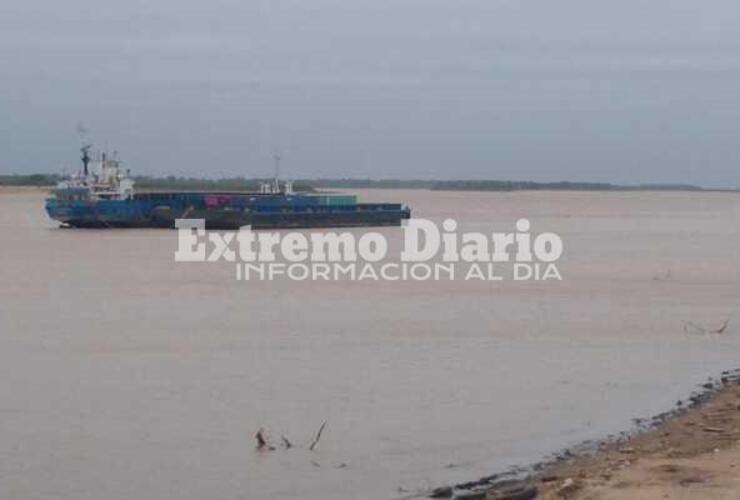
(102, 195)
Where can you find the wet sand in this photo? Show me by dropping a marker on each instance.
(693, 455)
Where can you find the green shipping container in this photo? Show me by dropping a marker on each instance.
(335, 200)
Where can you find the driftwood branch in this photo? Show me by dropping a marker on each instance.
(690, 327)
(318, 436)
(286, 443)
(264, 444)
(261, 441)
(722, 328)
(663, 277)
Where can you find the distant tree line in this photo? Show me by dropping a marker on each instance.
(158, 183)
(494, 185)
(196, 184)
(309, 185)
(372, 183)
(554, 186)
(29, 180)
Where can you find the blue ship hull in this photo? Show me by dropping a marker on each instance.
(225, 211)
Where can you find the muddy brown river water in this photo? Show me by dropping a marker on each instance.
(124, 374)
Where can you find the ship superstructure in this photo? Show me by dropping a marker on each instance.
(103, 179)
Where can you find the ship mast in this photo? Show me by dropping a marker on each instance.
(86, 158)
(276, 182)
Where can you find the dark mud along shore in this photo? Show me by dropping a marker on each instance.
(692, 451)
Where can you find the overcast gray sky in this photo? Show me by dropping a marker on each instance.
(625, 91)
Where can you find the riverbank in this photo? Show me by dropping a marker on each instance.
(691, 452)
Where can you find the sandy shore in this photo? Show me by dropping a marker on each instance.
(692, 452)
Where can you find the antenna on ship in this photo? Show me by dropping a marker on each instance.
(277, 159)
